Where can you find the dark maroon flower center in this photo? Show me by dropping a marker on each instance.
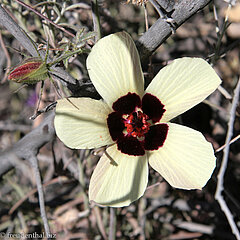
(132, 124)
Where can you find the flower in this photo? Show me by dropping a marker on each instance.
(135, 123)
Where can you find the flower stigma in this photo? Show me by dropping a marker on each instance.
(136, 124)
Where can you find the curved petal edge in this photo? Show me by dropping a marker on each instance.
(118, 179)
(114, 67)
(81, 123)
(186, 159)
(183, 84)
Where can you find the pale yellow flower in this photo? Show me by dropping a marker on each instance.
(135, 123)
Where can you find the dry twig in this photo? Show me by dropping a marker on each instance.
(42, 16)
(220, 183)
(112, 224)
(8, 59)
(34, 162)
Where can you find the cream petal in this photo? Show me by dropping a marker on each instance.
(183, 84)
(84, 125)
(114, 67)
(118, 179)
(186, 159)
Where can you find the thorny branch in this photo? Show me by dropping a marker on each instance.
(161, 29)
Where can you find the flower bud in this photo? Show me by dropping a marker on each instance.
(31, 71)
